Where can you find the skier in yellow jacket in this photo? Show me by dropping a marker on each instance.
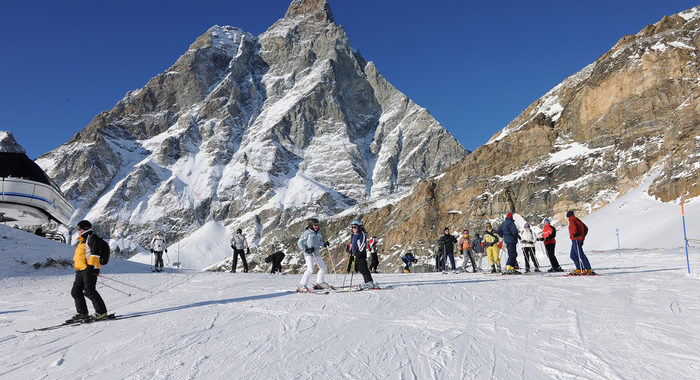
(87, 268)
(491, 243)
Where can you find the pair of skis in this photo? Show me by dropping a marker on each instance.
(70, 323)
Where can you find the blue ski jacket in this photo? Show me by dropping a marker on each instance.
(508, 231)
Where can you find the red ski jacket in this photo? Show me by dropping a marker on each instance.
(548, 234)
(577, 230)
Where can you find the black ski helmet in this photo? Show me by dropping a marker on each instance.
(84, 225)
(313, 222)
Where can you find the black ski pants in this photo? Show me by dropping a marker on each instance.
(84, 286)
(375, 262)
(552, 257)
(159, 259)
(361, 266)
(529, 253)
(236, 253)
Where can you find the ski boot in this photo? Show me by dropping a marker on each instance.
(368, 285)
(98, 317)
(588, 272)
(511, 270)
(577, 272)
(322, 285)
(302, 289)
(78, 318)
(536, 270)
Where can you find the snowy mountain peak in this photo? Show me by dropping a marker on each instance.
(8, 144)
(251, 132)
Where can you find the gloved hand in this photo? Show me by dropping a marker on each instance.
(232, 247)
(166, 250)
(247, 251)
(500, 245)
(90, 269)
(326, 244)
(151, 251)
(575, 236)
(540, 239)
(482, 244)
(309, 250)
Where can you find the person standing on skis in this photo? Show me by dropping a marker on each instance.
(528, 241)
(478, 248)
(358, 249)
(310, 244)
(548, 238)
(577, 233)
(465, 249)
(447, 246)
(509, 232)
(491, 243)
(240, 248)
(157, 247)
(87, 268)
(372, 248)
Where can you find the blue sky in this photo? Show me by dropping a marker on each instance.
(474, 65)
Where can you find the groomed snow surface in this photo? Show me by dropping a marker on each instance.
(637, 320)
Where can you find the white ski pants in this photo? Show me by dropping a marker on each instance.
(310, 261)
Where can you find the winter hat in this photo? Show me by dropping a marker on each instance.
(569, 213)
(446, 229)
(509, 215)
(527, 225)
(546, 220)
(466, 232)
(313, 222)
(488, 224)
(239, 231)
(84, 225)
(356, 223)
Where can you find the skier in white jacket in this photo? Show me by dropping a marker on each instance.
(527, 239)
(310, 244)
(240, 248)
(158, 245)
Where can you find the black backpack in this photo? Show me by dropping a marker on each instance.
(100, 248)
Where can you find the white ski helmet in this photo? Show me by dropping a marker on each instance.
(356, 223)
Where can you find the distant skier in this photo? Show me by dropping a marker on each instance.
(465, 249)
(372, 248)
(240, 248)
(478, 248)
(491, 241)
(87, 268)
(310, 244)
(527, 239)
(447, 246)
(276, 260)
(510, 235)
(408, 259)
(358, 249)
(548, 238)
(577, 233)
(158, 245)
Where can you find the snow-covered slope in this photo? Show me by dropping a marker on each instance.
(637, 320)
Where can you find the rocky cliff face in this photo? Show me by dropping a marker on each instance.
(633, 113)
(8, 144)
(254, 132)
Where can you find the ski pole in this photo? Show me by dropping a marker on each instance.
(578, 251)
(169, 262)
(113, 288)
(152, 269)
(353, 270)
(685, 236)
(123, 283)
(330, 258)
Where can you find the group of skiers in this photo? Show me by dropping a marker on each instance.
(493, 240)
(87, 265)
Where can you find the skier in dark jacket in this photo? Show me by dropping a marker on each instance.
(87, 268)
(577, 233)
(276, 260)
(358, 249)
(549, 234)
(478, 248)
(447, 246)
(408, 259)
(509, 232)
(372, 248)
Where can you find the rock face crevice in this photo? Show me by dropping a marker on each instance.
(255, 132)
